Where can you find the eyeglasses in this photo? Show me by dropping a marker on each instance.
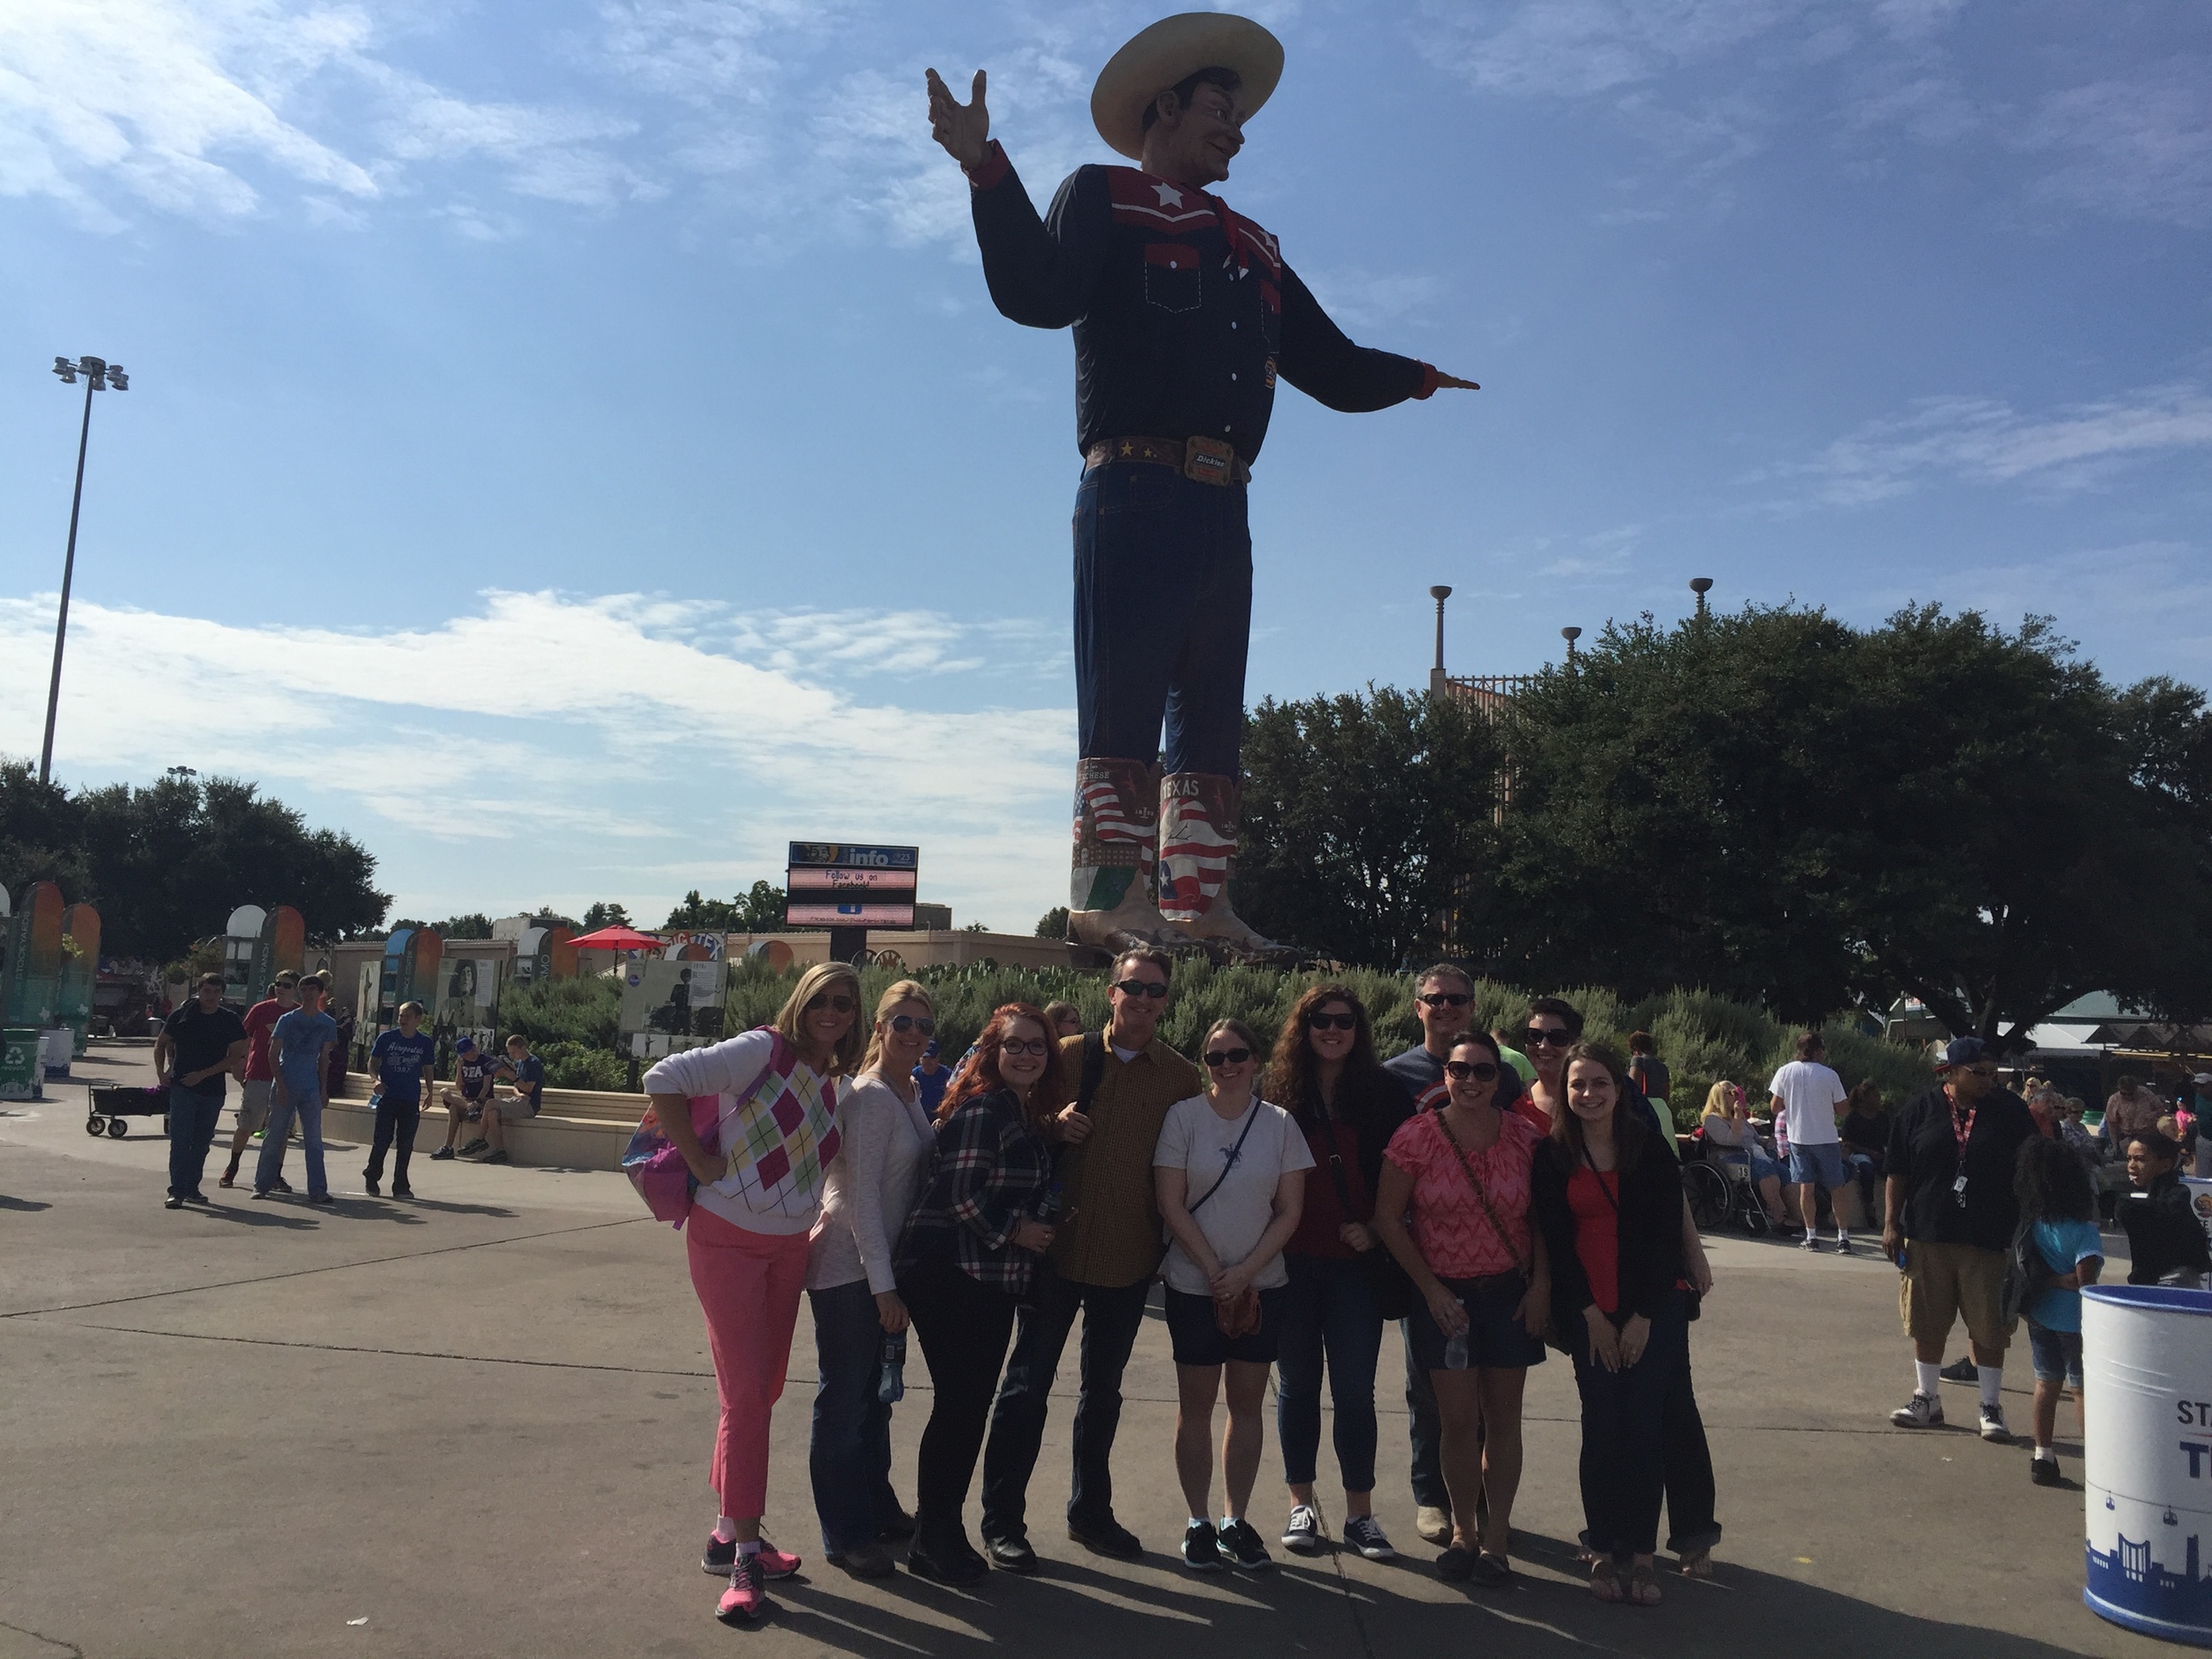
(1460, 1070)
(1153, 988)
(1978, 1070)
(1220, 1057)
(1333, 1022)
(1557, 1036)
(837, 1000)
(904, 1022)
(1037, 1046)
(1446, 999)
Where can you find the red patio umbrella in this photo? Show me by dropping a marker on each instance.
(619, 937)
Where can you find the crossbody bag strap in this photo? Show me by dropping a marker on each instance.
(1235, 1152)
(1521, 1263)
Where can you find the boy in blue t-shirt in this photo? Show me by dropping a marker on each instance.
(474, 1070)
(2060, 1204)
(299, 1050)
(399, 1061)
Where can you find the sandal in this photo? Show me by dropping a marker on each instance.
(1605, 1580)
(1493, 1571)
(1697, 1564)
(1643, 1586)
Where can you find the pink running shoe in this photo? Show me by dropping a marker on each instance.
(743, 1601)
(774, 1563)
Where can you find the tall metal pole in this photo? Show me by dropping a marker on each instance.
(68, 571)
(1437, 686)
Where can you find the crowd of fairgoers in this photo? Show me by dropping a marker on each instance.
(1497, 1195)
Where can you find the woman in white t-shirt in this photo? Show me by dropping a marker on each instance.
(1230, 1174)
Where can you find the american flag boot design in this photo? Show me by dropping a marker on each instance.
(1199, 814)
(1117, 839)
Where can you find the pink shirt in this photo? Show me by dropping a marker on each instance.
(1455, 1235)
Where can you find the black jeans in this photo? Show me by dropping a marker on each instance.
(963, 1327)
(1624, 1432)
(1423, 1430)
(1112, 1316)
(405, 1116)
(1691, 1497)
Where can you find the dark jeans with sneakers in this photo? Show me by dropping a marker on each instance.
(849, 1452)
(192, 1118)
(1329, 1314)
(963, 1327)
(1112, 1316)
(394, 1117)
(1424, 1430)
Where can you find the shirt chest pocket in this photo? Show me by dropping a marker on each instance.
(1170, 276)
(1272, 316)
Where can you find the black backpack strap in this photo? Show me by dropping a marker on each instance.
(1094, 1070)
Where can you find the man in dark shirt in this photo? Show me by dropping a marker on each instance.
(1949, 1210)
(200, 1044)
(1184, 314)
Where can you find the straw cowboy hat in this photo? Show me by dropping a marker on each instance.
(1174, 46)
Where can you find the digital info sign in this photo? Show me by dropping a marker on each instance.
(835, 884)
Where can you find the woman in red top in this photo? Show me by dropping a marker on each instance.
(1610, 1203)
(1463, 1174)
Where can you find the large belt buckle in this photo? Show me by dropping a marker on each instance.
(1210, 461)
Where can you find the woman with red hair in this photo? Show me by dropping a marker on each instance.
(966, 1260)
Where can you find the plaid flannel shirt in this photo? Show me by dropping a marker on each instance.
(986, 1175)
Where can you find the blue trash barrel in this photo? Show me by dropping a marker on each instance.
(2146, 1363)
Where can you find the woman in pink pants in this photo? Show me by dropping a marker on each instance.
(759, 1194)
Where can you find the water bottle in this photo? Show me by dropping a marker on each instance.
(1455, 1347)
(891, 1380)
(1049, 1207)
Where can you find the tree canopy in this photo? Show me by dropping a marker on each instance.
(757, 910)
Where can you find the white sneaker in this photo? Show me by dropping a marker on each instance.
(1993, 1429)
(1922, 1411)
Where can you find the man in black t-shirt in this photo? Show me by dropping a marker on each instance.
(200, 1045)
(1949, 1210)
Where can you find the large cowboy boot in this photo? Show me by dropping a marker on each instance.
(1116, 826)
(1198, 851)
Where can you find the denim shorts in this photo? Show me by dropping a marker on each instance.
(1819, 1165)
(1496, 1338)
(1197, 1340)
(2056, 1354)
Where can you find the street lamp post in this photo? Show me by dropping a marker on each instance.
(98, 376)
(1570, 635)
(1436, 675)
(1700, 586)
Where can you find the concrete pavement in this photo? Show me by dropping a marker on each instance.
(478, 1424)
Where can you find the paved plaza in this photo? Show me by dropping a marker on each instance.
(478, 1424)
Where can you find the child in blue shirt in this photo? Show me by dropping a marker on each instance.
(2059, 1205)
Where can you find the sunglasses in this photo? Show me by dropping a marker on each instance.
(1460, 1070)
(1220, 1057)
(837, 1000)
(1557, 1036)
(1037, 1046)
(1153, 988)
(1446, 999)
(1333, 1022)
(904, 1022)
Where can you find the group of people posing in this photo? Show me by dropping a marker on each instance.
(1295, 1202)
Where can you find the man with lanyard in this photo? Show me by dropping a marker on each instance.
(1184, 315)
(1948, 1220)
(201, 1044)
(253, 1094)
(1105, 1251)
(399, 1060)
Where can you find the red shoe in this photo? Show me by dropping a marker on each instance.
(743, 1601)
(774, 1563)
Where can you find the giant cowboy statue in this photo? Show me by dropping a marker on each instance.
(1184, 315)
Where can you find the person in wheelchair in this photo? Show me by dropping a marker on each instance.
(1733, 1142)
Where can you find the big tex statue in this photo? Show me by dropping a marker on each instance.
(1183, 314)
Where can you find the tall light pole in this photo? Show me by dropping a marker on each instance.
(1700, 586)
(1436, 674)
(98, 377)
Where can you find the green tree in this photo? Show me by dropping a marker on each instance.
(605, 913)
(41, 834)
(475, 925)
(757, 910)
(1054, 923)
(1366, 822)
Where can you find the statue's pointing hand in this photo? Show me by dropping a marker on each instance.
(1453, 381)
(962, 128)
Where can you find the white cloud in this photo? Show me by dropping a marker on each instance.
(1358, 296)
(641, 738)
(1984, 439)
(1575, 48)
(2139, 148)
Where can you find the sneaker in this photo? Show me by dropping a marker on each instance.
(774, 1563)
(442, 1154)
(368, 1184)
(474, 1147)
(1364, 1533)
(400, 1191)
(195, 1196)
(265, 1191)
(280, 1185)
(720, 1557)
(1434, 1522)
(1810, 1241)
(1843, 1240)
(1201, 1548)
(2044, 1471)
(175, 1202)
(1993, 1429)
(1302, 1532)
(499, 1157)
(743, 1601)
(228, 1177)
(1962, 1369)
(1922, 1411)
(320, 1198)
(1240, 1543)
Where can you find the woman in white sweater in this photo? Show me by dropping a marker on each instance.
(871, 1185)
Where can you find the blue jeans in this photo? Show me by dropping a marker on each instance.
(1163, 617)
(1328, 1311)
(1624, 1433)
(849, 1454)
(191, 1132)
(308, 1109)
(1112, 1316)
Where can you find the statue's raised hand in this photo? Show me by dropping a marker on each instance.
(962, 128)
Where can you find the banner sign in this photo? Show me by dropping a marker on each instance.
(837, 884)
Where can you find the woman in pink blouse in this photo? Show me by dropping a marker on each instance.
(1453, 1206)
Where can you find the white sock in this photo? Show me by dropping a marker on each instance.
(2045, 1451)
(1993, 1380)
(752, 1548)
(725, 1529)
(1228, 1520)
(1930, 1378)
(1199, 1520)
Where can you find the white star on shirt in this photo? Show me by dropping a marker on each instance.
(1170, 197)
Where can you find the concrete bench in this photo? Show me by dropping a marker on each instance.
(575, 1129)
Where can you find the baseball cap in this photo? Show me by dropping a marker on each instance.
(465, 1045)
(1964, 1051)
(931, 1048)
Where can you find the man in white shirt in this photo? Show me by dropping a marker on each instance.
(1806, 1095)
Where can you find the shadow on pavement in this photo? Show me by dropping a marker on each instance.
(7, 1202)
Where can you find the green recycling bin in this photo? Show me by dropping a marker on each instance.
(21, 1073)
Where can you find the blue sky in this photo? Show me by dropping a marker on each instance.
(569, 445)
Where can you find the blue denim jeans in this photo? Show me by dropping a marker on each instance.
(309, 1109)
(191, 1132)
(849, 1454)
(1329, 1312)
